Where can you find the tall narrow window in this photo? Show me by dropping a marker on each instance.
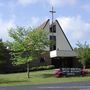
(53, 43)
(53, 29)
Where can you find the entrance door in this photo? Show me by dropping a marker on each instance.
(63, 62)
(68, 62)
(56, 62)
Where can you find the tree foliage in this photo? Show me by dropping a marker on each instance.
(83, 52)
(19, 35)
(27, 42)
(5, 62)
(18, 46)
(38, 41)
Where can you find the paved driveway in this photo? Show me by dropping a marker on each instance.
(63, 86)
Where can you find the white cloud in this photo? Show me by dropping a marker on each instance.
(50, 2)
(27, 2)
(86, 7)
(35, 21)
(75, 28)
(61, 2)
(54, 2)
(4, 26)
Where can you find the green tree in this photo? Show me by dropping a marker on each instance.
(5, 62)
(38, 41)
(28, 43)
(83, 52)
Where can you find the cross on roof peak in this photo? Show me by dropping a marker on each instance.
(52, 12)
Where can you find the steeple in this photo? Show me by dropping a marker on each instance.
(53, 38)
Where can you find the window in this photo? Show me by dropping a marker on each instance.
(53, 29)
(53, 47)
(52, 37)
(53, 41)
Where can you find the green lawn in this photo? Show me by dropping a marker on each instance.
(39, 77)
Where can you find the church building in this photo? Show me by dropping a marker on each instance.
(61, 53)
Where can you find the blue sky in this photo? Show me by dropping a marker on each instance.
(73, 16)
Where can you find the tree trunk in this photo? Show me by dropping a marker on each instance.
(28, 70)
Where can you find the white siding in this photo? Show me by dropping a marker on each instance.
(47, 29)
(66, 53)
(61, 41)
(63, 47)
(53, 54)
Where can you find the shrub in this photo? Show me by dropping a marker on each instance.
(42, 68)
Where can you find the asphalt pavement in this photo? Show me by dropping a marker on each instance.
(84, 85)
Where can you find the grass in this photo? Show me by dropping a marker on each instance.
(39, 77)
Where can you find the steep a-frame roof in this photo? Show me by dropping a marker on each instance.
(42, 26)
(64, 34)
(63, 46)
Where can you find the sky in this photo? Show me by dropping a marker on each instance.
(73, 16)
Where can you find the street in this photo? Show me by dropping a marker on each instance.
(84, 85)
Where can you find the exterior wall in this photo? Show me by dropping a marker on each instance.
(66, 53)
(62, 53)
(64, 62)
(63, 47)
(61, 41)
(47, 61)
(46, 28)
